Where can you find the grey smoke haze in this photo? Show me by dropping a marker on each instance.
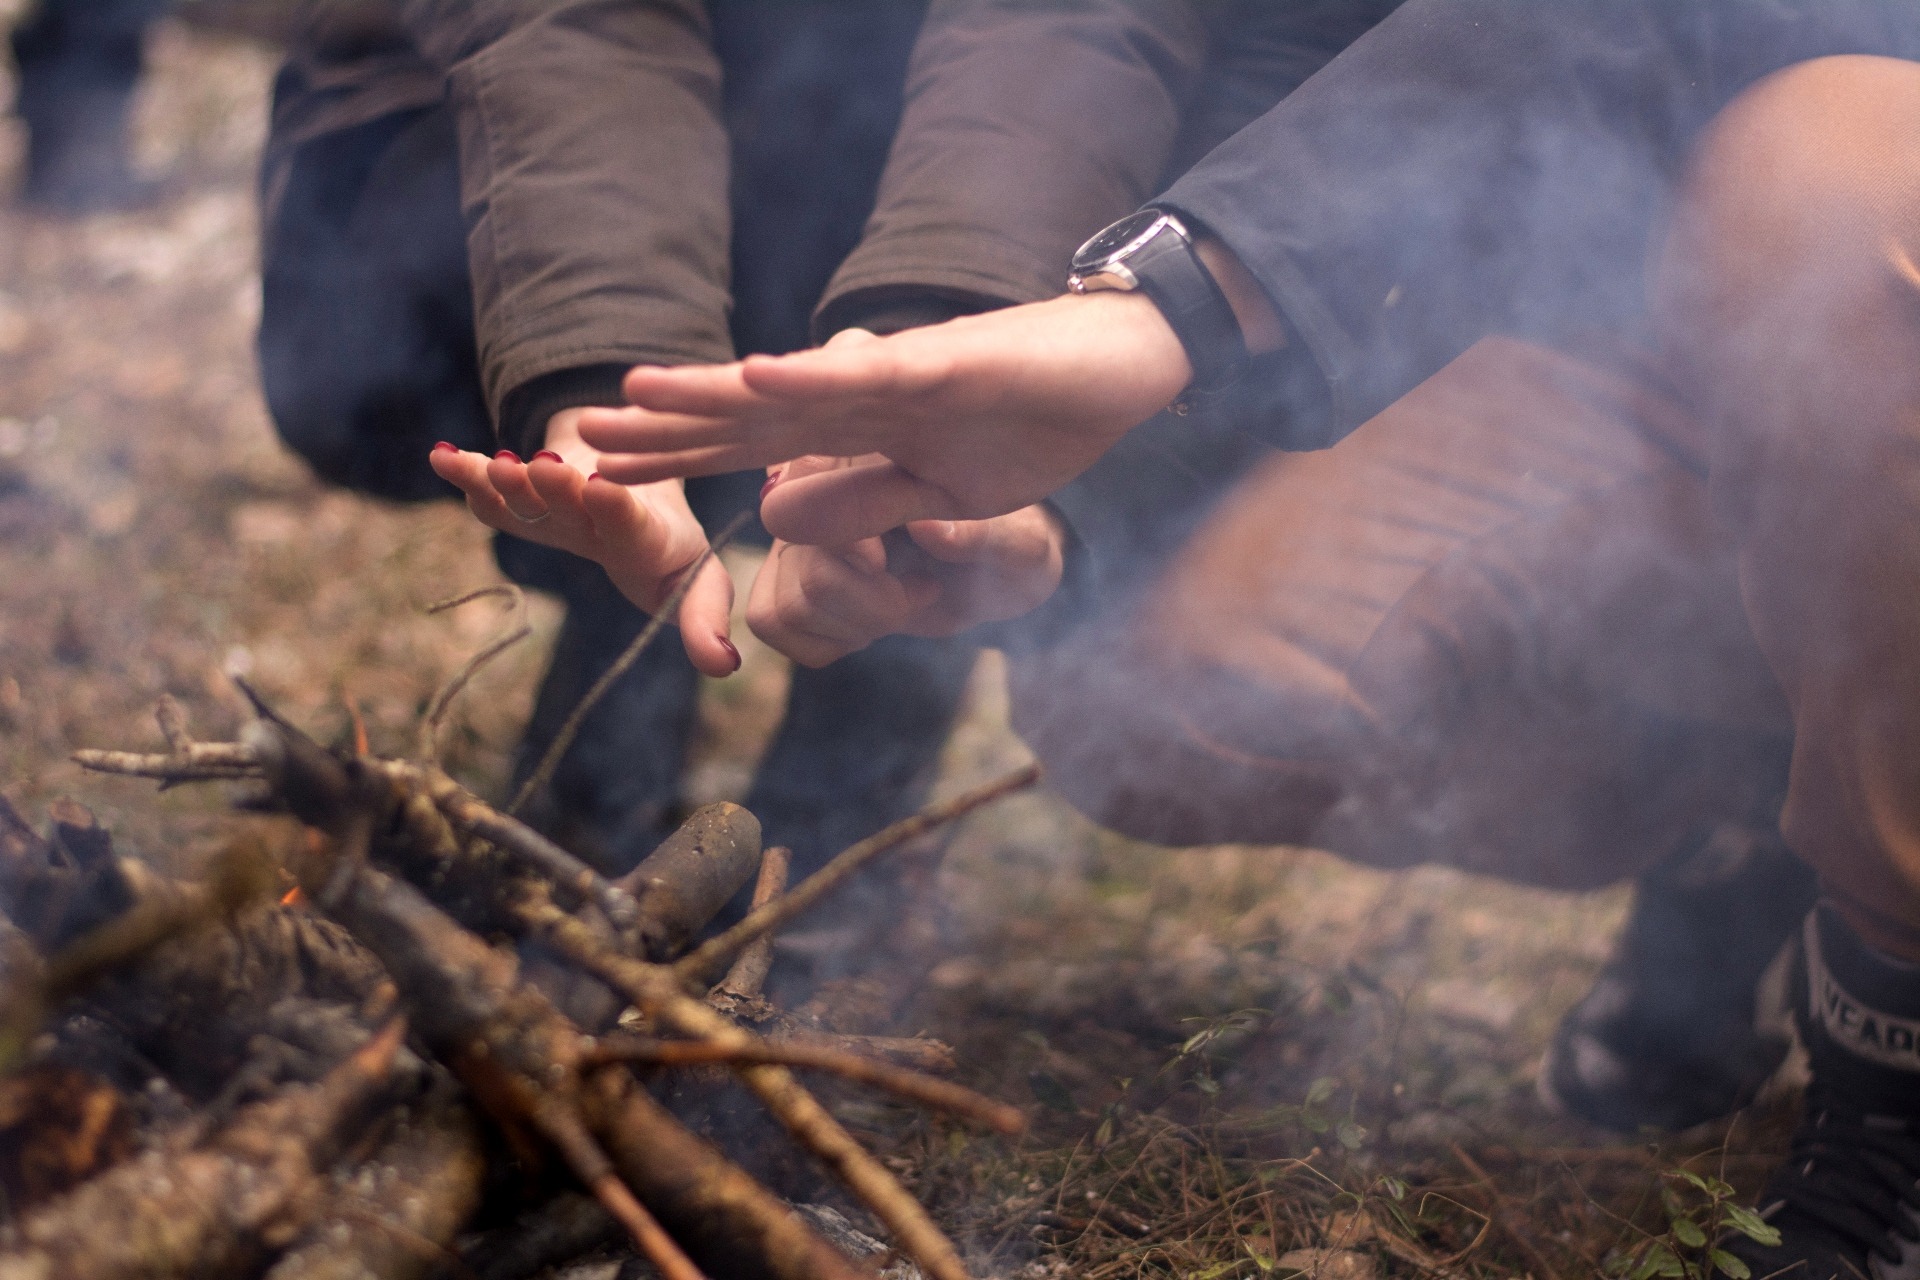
(1468, 169)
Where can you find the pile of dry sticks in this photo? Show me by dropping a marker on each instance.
(226, 1078)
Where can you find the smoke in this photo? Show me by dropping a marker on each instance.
(1496, 624)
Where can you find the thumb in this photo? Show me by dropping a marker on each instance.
(954, 541)
(706, 621)
(839, 507)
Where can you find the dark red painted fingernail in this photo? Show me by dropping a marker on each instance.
(443, 446)
(597, 476)
(767, 488)
(548, 454)
(731, 651)
(506, 455)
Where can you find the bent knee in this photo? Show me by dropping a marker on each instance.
(1829, 134)
(1805, 177)
(1791, 258)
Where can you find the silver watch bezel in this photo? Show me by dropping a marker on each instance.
(1111, 272)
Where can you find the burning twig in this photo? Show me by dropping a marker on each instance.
(473, 817)
(562, 1126)
(655, 990)
(512, 1048)
(417, 870)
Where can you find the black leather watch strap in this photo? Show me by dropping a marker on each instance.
(1170, 272)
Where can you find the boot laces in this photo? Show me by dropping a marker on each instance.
(1854, 1175)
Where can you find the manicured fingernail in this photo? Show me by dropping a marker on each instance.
(444, 446)
(767, 488)
(731, 651)
(548, 454)
(597, 476)
(506, 455)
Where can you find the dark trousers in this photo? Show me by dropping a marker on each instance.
(78, 63)
(367, 357)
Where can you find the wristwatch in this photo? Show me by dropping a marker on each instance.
(1152, 251)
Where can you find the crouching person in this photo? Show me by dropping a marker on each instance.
(1590, 549)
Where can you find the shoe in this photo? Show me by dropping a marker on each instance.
(1667, 1037)
(1846, 1201)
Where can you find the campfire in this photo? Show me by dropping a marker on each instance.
(320, 1056)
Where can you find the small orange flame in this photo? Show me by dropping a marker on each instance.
(292, 897)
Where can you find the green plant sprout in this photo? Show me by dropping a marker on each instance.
(1700, 1212)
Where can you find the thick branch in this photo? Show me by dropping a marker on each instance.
(396, 1215)
(655, 990)
(215, 1211)
(748, 976)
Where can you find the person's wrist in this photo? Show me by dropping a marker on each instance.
(1260, 326)
(1146, 366)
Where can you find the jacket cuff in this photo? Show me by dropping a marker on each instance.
(526, 409)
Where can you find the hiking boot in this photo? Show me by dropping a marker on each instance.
(1846, 1201)
(1667, 1037)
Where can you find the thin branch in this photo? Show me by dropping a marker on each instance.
(172, 719)
(543, 772)
(748, 976)
(912, 1085)
(723, 946)
(198, 762)
(563, 1127)
(518, 629)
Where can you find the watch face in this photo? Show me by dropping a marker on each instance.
(1117, 240)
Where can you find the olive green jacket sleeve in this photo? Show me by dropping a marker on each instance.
(593, 166)
(593, 172)
(1028, 125)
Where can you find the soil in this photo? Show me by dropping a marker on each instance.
(1232, 1054)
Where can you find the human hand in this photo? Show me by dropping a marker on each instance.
(966, 420)
(934, 578)
(643, 535)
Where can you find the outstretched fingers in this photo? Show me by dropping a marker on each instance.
(472, 474)
(649, 468)
(842, 506)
